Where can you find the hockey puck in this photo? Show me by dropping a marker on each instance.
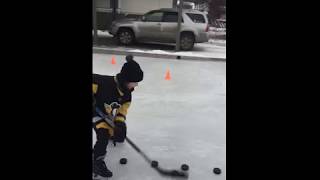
(216, 170)
(184, 167)
(154, 163)
(123, 161)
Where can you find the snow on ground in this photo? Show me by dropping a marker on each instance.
(215, 48)
(183, 53)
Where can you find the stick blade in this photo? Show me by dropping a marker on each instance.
(172, 173)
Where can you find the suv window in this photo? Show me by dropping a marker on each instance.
(154, 17)
(171, 17)
(196, 18)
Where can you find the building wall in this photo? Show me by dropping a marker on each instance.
(142, 6)
(103, 3)
(130, 8)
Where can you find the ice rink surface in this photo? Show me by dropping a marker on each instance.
(177, 121)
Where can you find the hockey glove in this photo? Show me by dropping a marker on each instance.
(120, 131)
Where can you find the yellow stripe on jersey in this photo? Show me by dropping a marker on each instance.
(104, 125)
(122, 112)
(120, 119)
(120, 92)
(94, 88)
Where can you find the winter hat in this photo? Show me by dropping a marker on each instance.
(131, 71)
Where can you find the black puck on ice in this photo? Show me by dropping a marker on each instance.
(216, 170)
(123, 161)
(154, 163)
(184, 167)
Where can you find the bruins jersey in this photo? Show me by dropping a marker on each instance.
(109, 96)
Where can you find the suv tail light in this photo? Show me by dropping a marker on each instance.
(207, 28)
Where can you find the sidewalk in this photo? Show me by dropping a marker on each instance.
(212, 50)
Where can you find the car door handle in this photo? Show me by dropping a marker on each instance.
(159, 24)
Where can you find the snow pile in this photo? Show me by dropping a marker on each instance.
(184, 53)
(103, 34)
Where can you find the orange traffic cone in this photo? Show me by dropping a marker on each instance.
(168, 76)
(113, 60)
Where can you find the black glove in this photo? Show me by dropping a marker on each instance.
(120, 131)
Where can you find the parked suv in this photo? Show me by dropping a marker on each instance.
(161, 26)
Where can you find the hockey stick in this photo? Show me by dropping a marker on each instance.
(173, 173)
(162, 171)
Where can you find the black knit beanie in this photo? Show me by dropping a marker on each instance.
(131, 71)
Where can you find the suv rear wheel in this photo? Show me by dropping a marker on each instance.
(186, 41)
(125, 36)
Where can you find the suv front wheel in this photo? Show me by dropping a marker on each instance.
(125, 36)
(186, 41)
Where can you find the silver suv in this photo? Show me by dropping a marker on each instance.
(161, 26)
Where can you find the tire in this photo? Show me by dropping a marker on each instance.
(125, 37)
(186, 41)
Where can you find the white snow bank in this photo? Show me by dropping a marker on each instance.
(184, 53)
(103, 34)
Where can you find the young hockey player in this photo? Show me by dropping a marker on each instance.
(111, 99)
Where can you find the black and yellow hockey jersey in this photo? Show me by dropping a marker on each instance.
(107, 92)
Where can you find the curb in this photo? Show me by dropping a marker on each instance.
(104, 50)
